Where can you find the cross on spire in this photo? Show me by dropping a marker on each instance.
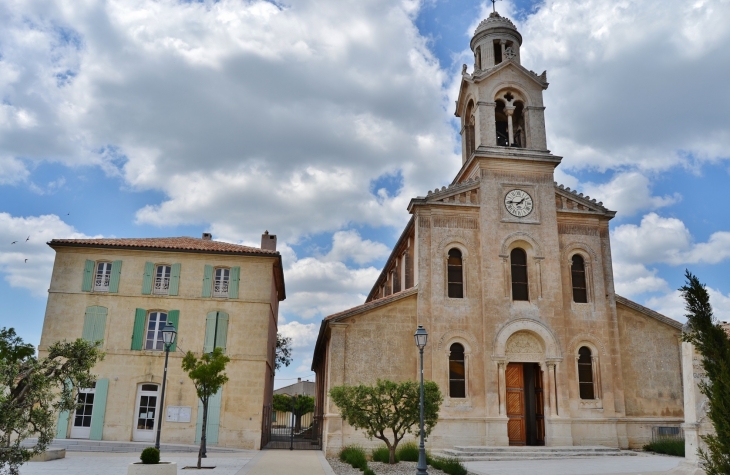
(494, 8)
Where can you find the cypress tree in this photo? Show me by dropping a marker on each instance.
(713, 343)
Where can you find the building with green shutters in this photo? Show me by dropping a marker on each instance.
(121, 292)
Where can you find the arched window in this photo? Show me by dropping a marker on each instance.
(469, 132)
(578, 276)
(457, 371)
(455, 274)
(518, 259)
(585, 373)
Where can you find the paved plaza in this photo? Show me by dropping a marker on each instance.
(284, 462)
(643, 464)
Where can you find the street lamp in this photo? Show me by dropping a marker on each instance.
(421, 337)
(168, 338)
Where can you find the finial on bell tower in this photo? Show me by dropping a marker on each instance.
(494, 8)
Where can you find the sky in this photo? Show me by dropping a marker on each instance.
(318, 120)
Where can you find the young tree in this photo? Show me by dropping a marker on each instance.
(713, 343)
(283, 351)
(388, 407)
(34, 390)
(207, 374)
(303, 405)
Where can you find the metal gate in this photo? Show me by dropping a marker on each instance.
(288, 430)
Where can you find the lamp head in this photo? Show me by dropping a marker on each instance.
(168, 334)
(421, 337)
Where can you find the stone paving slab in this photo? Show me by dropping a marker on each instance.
(644, 464)
(90, 463)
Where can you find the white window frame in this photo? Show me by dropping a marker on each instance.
(221, 282)
(161, 280)
(157, 324)
(102, 276)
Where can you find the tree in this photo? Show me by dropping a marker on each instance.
(388, 406)
(207, 374)
(12, 347)
(303, 405)
(283, 351)
(34, 390)
(713, 343)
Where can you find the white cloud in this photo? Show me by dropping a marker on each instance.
(634, 279)
(666, 240)
(246, 115)
(348, 245)
(303, 335)
(628, 193)
(619, 76)
(28, 263)
(672, 305)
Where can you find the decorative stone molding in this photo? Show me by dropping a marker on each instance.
(537, 329)
(569, 250)
(524, 346)
(581, 338)
(523, 236)
(462, 222)
(460, 336)
(578, 229)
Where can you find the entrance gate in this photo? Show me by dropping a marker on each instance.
(525, 404)
(287, 430)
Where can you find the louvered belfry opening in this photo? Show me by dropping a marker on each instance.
(518, 260)
(585, 373)
(578, 276)
(457, 371)
(455, 274)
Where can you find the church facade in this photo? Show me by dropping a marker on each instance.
(511, 275)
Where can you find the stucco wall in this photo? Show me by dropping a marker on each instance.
(651, 365)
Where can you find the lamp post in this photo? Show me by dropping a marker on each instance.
(168, 338)
(421, 337)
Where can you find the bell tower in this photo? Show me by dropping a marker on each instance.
(500, 103)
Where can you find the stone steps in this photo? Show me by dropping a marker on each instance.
(81, 445)
(470, 454)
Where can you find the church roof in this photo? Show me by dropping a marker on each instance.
(494, 20)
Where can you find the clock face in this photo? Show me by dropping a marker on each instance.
(518, 203)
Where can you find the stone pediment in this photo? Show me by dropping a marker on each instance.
(567, 200)
(465, 193)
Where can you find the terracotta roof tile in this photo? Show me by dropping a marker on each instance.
(168, 244)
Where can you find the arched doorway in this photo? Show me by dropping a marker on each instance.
(524, 389)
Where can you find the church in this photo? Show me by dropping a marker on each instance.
(511, 275)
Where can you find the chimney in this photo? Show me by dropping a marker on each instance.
(268, 241)
(207, 236)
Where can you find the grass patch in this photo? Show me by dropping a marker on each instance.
(382, 454)
(451, 466)
(355, 456)
(667, 446)
(407, 452)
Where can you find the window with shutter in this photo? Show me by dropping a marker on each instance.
(457, 371)
(221, 282)
(103, 276)
(455, 271)
(161, 285)
(585, 373)
(578, 276)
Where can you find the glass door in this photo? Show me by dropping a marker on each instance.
(146, 413)
(82, 417)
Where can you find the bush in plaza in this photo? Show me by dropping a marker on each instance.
(451, 466)
(150, 456)
(381, 454)
(667, 446)
(407, 452)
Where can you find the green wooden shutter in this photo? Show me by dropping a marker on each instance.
(98, 409)
(94, 323)
(222, 337)
(149, 269)
(233, 285)
(173, 318)
(214, 415)
(62, 427)
(88, 276)
(140, 318)
(174, 279)
(114, 278)
(209, 333)
(207, 281)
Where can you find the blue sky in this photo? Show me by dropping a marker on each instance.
(319, 120)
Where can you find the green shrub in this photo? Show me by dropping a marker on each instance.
(667, 446)
(382, 454)
(368, 472)
(150, 456)
(355, 456)
(407, 452)
(451, 466)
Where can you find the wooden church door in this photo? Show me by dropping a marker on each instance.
(515, 385)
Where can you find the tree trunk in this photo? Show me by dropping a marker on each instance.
(391, 458)
(203, 428)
